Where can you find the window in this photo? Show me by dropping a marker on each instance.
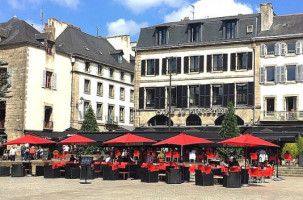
(194, 64)
(241, 94)
(48, 83)
(122, 93)
(111, 114)
(173, 96)
(162, 35)
(230, 30)
(86, 86)
(249, 28)
(218, 62)
(47, 117)
(111, 73)
(111, 91)
(217, 94)
(291, 73)
(49, 48)
(194, 32)
(120, 59)
(270, 106)
(241, 61)
(194, 95)
(99, 89)
(150, 67)
(87, 66)
(99, 111)
(291, 48)
(131, 95)
(150, 98)
(270, 74)
(172, 65)
(122, 75)
(270, 49)
(291, 104)
(99, 69)
(85, 108)
(131, 115)
(121, 114)
(132, 78)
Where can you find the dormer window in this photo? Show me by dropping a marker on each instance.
(49, 48)
(119, 58)
(162, 35)
(194, 33)
(230, 29)
(87, 66)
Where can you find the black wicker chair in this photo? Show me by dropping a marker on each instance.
(5, 171)
(50, 172)
(174, 176)
(18, 170)
(232, 180)
(149, 176)
(203, 179)
(72, 172)
(109, 173)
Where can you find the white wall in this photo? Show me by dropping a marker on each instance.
(122, 42)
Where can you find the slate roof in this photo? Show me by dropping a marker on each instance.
(212, 31)
(17, 31)
(78, 43)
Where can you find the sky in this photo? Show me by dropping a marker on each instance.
(120, 17)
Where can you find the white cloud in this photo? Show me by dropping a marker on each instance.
(138, 6)
(210, 8)
(124, 27)
(37, 26)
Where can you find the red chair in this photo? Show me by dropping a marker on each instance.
(235, 169)
(209, 155)
(136, 155)
(152, 168)
(201, 168)
(253, 156)
(168, 156)
(255, 174)
(144, 165)
(192, 168)
(56, 155)
(287, 157)
(176, 156)
(207, 169)
(200, 157)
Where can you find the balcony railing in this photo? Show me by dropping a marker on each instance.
(281, 116)
(48, 125)
(2, 124)
(111, 120)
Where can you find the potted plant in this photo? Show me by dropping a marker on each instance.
(300, 149)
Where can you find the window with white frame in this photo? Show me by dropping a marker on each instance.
(99, 89)
(48, 83)
(172, 65)
(194, 32)
(270, 49)
(270, 74)
(131, 95)
(86, 86)
(194, 93)
(291, 48)
(99, 111)
(87, 66)
(150, 67)
(120, 58)
(217, 92)
(291, 73)
(241, 61)
(218, 62)
(111, 93)
(122, 114)
(194, 64)
(162, 35)
(122, 93)
(131, 115)
(122, 75)
(100, 69)
(85, 107)
(111, 73)
(230, 29)
(241, 90)
(150, 97)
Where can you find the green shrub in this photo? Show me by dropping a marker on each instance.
(291, 148)
(300, 145)
(87, 150)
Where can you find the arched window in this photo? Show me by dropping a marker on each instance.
(159, 120)
(193, 120)
(219, 120)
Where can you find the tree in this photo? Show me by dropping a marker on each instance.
(229, 129)
(4, 84)
(89, 122)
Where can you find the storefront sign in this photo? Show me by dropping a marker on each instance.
(193, 111)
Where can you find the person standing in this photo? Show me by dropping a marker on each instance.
(23, 155)
(12, 153)
(192, 155)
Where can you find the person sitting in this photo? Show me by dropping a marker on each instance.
(150, 158)
(72, 158)
(224, 162)
(32, 153)
(287, 157)
(234, 163)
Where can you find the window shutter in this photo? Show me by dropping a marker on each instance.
(184, 96)
(282, 74)
(157, 98)
(143, 62)
(249, 61)
(43, 78)
(225, 94)
(277, 49)
(283, 49)
(162, 98)
(261, 72)
(207, 96)
(201, 64)
(250, 96)
(186, 65)
(262, 50)
(233, 62)
(163, 66)
(179, 96)
(157, 67)
(298, 47)
(179, 65)
(9, 72)
(55, 82)
(209, 60)
(224, 62)
(300, 73)
(141, 98)
(202, 96)
(277, 74)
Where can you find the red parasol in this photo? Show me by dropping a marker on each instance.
(248, 141)
(128, 139)
(183, 139)
(29, 139)
(77, 139)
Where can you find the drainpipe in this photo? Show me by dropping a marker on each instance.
(254, 78)
(73, 61)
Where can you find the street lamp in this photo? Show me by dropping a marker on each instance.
(169, 94)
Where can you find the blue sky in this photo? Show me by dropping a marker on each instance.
(115, 17)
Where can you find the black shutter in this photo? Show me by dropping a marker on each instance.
(141, 97)
(249, 61)
(157, 97)
(184, 96)
(225, 94)
(179, 65)
(157, 67)
(162, 98)
(202, 96)
(179, 96)
(186, 65)
(233, 62)
(207, 96)
(209, 60)
(201, 63)
(250, 96)
(143, 67)
(224, 62)
(231, 93)
(163, 66)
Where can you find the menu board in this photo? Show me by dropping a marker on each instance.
(86, 160)
(45, 154)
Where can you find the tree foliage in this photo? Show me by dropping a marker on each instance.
(229, 129)
(291, 148)
(4, 84)
(89, 123)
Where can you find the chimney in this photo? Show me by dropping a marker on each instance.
(267, 16)
(185, 19)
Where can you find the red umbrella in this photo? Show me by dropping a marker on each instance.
(128, 139)
(29, 139)
(248, 141)
(183, 139)
(76, 139)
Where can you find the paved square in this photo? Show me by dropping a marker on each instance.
(34, 188)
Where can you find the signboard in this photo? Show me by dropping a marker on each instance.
(45, 152)
(86, 160)
(192, 111)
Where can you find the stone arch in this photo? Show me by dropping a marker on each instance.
(159, 120)
(219, 120)
(193, 120)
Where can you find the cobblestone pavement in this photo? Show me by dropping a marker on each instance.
(33, 188)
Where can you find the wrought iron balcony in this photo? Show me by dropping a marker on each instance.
(281, 116)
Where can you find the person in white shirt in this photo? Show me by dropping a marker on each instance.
(65, 148)
(192, 155)
(12, 153)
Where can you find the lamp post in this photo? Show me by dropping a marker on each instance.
(169, 94)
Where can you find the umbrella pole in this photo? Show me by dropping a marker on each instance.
(277, 176)
(244, 180)
(181, 159)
